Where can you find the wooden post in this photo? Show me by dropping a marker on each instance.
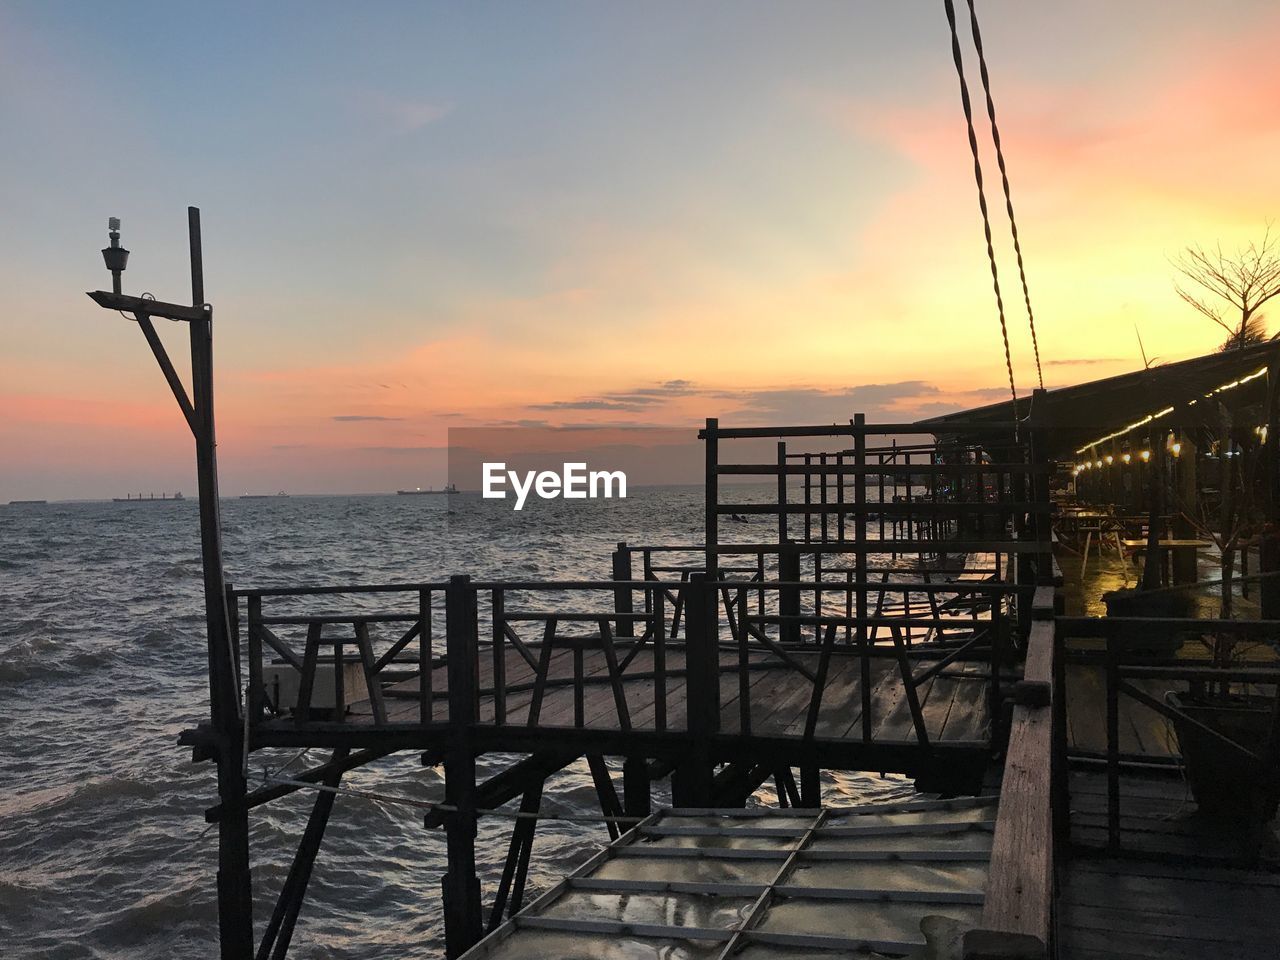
(635, 787)
(622, 599)
(810, 786)
(256, 693)
(1153, 561)
(782, 491)
(461, 886)
(789, 597)
(1187, 489)
(712, 496)
(1227, 510)
(235, 900)
(1113, 741)
(426, 664)
(1038, 488)
(860, 565)
(1269, 550)
(692, 781)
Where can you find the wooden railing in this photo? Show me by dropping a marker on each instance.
(1124, 659)
(726, 632)
(810, 583)
(1017, 914)
(409, 652)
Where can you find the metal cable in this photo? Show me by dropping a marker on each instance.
(1004, 179)
(982, 196)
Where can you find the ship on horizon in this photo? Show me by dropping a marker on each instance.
(419, 492)
(129, 498)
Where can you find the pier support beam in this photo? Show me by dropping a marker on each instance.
(516, 869)
(460, 885)
(692, 783)
(635, 787)
(279, 933)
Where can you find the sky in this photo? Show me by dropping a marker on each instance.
(420, 216)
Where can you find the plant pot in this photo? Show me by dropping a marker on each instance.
(1225, 784)
(1155, 640)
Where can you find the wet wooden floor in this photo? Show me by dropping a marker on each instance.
(1187, 888)
(954, 703)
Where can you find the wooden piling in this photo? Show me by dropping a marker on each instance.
(460, 885)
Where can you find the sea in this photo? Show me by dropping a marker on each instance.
(104, 851)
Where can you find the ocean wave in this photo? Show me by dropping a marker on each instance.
(156, 916)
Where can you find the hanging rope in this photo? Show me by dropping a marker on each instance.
(982, 196)
(1004, 179)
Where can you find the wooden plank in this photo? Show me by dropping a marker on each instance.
(969, 717)
(1020, 887)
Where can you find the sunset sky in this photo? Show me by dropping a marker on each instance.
(420, 216)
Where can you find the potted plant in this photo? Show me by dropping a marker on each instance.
(1226, 783)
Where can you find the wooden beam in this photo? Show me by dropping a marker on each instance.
(153, 308)
(1020, 889)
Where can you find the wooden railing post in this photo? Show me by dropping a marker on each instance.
(622, 598)
(426, 664)
(461, 886)
(1113, 740)
(256, 693)
(860, 566)
(789, 597)
(692, 780)
(711, 494)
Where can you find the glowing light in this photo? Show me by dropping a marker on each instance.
(1177, 449)
(1110, 459)
(1127, 458)
(1133, 426)
(1146, 456)
(1098, 464)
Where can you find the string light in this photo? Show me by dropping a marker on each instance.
(1146, 456)
(1127, 458)
(1260, 372)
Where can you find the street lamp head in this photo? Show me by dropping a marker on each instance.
(115, 256)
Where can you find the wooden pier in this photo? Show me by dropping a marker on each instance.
(919, 630)
(864, 635)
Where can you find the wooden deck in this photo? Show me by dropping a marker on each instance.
(1143, 732)
(954, 703)
(1187, 888)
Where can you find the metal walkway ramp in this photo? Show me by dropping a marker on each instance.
(688, 884)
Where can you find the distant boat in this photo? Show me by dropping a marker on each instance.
(262, 496)
(21, 503)
(419, 492)
(152, 498)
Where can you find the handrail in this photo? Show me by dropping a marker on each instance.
(1019, 895)
(868, 429)
(1120, 635)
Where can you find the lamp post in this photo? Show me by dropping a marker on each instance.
(221, 740)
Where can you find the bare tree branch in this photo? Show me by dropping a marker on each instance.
(1243, 281)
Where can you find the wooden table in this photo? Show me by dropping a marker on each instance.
(1164, 548)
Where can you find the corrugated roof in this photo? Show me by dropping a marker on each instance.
(694, 884)
(1090, 411)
